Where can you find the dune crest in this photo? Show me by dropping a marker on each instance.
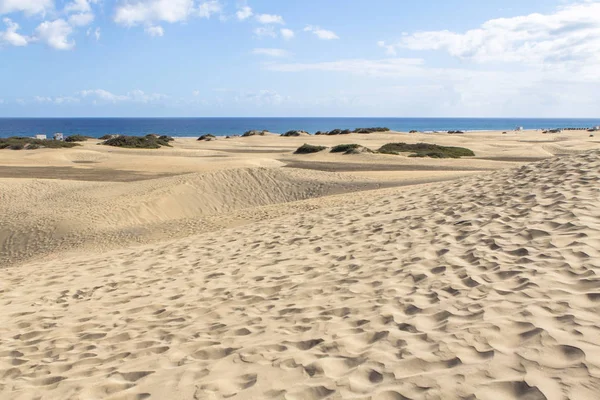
(484, 287)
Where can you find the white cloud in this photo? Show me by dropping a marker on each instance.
(96, 32)
(265, 31)
(271, 52)
(102, 94)
(151, 12)
(148, 11)
(208, 8)
(65, 99)
(560, 91)
(55, 34)
(261, 98)
(390, 50)
(135, 96)
(81, 19)
(322, 34)
(270, 19)
(287, 34)
(29, 7)
(155, 30)
(385, 67)
(571, 33)
(41, 99)
(11, 36)
(79, 6)
(196, 93)
(244, 13)
(56, 100)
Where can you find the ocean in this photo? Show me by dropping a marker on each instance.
(191, 127)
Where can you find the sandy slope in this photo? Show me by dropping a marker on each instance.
(482, 288)
(56, 215)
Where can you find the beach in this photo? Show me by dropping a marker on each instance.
(234, 268)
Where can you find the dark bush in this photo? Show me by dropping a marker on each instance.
(137, 142)
(308, 148)
(106, 137)
(208, 137)
(254, 133)
(413, 131)
(426, 150)
(343, 148)
(20, 143)
(350, 149)
(76, 138)
(371, 130)
(294, 133)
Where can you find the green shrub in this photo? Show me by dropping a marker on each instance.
(426, 150)
(343, 148)
(139, 142)
(308, 148)
(294, 133)
(371, 130)
(76, 138)
(106, 137)
(20, 143)
(351, 149)
(254, 133)
(207, 137)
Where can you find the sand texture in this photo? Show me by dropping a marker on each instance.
(481, 287)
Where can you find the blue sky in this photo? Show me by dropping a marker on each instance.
(399, 58)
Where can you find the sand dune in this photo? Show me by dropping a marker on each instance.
(57, 215)
(484, 287)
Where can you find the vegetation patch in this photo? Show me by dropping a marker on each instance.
(25, 143)
(309, 148)
(208, 137)
(106, 137)
(294, 133)
(76, 138)
(343, 148)
(139, 142)
(254, 133)
(371, 130)
(426, 150)
(350, 149)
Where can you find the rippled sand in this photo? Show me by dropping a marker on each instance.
(485, 287)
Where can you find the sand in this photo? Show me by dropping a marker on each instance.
(238, 277)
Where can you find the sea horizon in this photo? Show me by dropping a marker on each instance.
(222, 126)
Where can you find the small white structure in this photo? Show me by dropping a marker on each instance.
(40, 137)
(58, 136)
(519, 128)
(597, 128)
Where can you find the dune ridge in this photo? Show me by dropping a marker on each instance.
(50, 215)
(484, 287)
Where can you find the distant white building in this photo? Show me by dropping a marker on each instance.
(40, 137)
(519, 128)
(58, 136)
(597, 128)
